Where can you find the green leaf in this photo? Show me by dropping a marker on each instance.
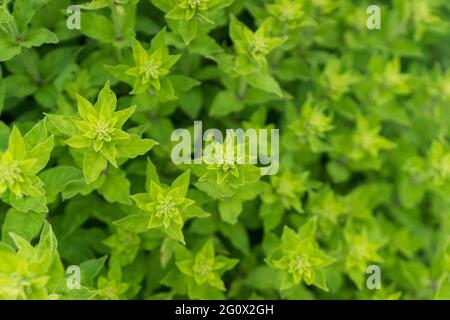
(90, 269)
(41, 153)
(25, 224)
(19, 86)
(237, 235)
(38, 37)
(58, 178)
(26, 204)
(151, 174)
(188, 30)
(272, 214)
(93, 165)
(265, 82)
(24, 10)
(164, 5)
(8, 49)
(205, 46)
(5, 16)
(136, 222)
(134, 146)
(230, 210)
(16, 144)
(62, 124)
(97, 27)
(182, 182)
(225, 102)
(116, 187)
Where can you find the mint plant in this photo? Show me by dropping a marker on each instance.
(192, 17)
(310, 127)
(98, 133)
(203, 270)
(300, 258)
(361, 251)
(150, 68)
(229, 176)
(20, 163)
(110, 189)
(284, 193)
(227, 167)
(164, 208)
(28, 272)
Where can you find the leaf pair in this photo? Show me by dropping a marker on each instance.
(24, 158)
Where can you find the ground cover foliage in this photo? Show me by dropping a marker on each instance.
(88, 187)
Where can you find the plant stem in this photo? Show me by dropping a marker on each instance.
(242, 88)
(117, 16)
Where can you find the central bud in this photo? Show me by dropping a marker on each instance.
(166, 208)
(20, 286)
(288, 14)
(366, 140)
(202, 267)
(259, 46)
(300, 265)
(194, 4)
(150, 70)
(9, 173)
(228, 166)
(103, 131)
(359, 249)
(225, 162)
(317, 123)
(285, 187)
(441, 168)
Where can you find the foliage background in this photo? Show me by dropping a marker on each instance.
(365, 154)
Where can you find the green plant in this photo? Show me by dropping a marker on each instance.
(89, 116)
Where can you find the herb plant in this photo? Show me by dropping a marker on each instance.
(92, 206)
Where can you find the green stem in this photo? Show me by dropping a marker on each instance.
(118, 54)
(117, 17)
(31, 67)
(242, 88)
(186, 61)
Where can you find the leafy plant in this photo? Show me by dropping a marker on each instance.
(93, 207)
(164, 208)
(203, 270)
(20, 163)
(98, 133)
(300, 258)
(190, 18)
